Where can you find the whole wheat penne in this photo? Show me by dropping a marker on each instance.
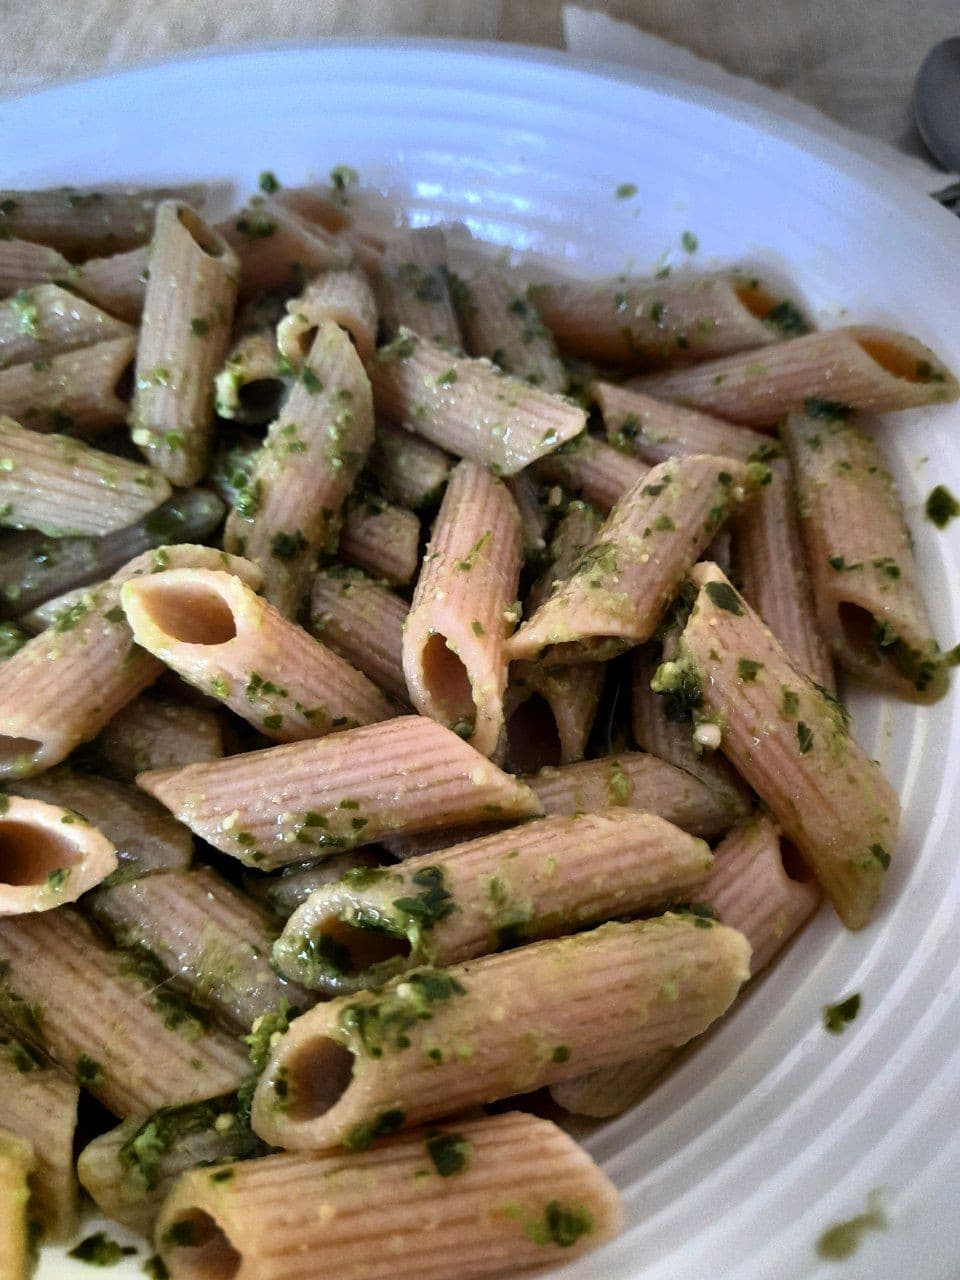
(525, 492)
(137, 1045)
(362, 621)
(549, 713)
(45, 321)
(157, 733)
(277, 248)
(501, 322)
(284, 891)
(469, 406)
(24, 264)
(453, 656)
(184, 335)
(770, 567)
(662, 726)
(403, 847)
(479, 1197)
(144, 835)
(39, 1103)
(83, 222)
(677, 317)
(831, 800)
(48, 856)
(413, 287)
(409, 471)
(750, 890)
(221, 637)
(83, 390)
(380, 538)
(621, 584)
(35, 569)
(62, 487)
(339, 297)
(638, 781)
(655, 430)
(575, 530)
(306, 468)
(66, 683)
(859, 367)
(17, 1162)
(545, 878)
(118, 283)
(497, 1026)
(212, 940)
(129, 1171)
(251, 385)
(325, 796)
(593, 470)
(862, 569)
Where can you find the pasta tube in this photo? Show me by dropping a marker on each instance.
(47, 321)
(157, 733)
(337, 297)
(276, 248)
(84, 222)
(409, 471)
(487, 1197)
(859, 367)
(621, 584)
(48, 856)
(381, 539)
(335, 793)
(24, 264)
(16, 1166)
(137, 1045)
(283, 893)
(501, 322)
(363, 623)
(830, 799)
(220, 636)
(60, 486)
(287, 513)
(468, 406)
(187, 313)
(863, 573)
(453, 655)
(251, 385)
(593, 470)
(540, 880)
(549, 713)
(413, 287)
(437, 1040)
(655, 430)
(117, 283)
(84, 391)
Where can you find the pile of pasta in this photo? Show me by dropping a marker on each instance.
(417, 692)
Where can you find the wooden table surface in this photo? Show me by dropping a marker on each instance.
(854, 59)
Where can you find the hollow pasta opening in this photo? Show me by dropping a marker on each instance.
(206, 1252)
(860, 629)
(17, 753)
(318, 1074)
(533, 739)
(202, 236)
(357, 948)
(755, 298)
(123, 387)
(29, 853)
(793, 863)
(448, 683)
(306, 338)
(894, 359)
(192, 613)
(259, 400)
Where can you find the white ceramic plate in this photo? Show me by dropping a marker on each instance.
(774, 1129)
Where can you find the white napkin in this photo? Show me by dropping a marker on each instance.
(595, 36)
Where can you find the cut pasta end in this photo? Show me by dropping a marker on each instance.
(183, 606)
(194, 1246)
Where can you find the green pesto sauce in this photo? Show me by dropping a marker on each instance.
(836, 1017)
(844, 1238)
(100, 1251)
(941, 506)
(450, 1152)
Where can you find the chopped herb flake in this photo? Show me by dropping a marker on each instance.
(837, 1016)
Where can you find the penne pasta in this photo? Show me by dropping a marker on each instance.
(495, 1027)
(468, 406)
(48, 856)
(82, 391)
(220, 636)
(46, 321)
(118, 283)
(361, 621)
(339, 792)
(673, 318)
(534, 520)
(413, 287)
(453, 655)
(38, 1103)
(501, 322)
(336, 297)
(84, 222)
(144, 835)
(546, 878)
(62, 487)
(638, 781)
(288, 512)
(187, 313)
(212, 940)
(830, 799)
(17, 1163)
(491, 1196)
(408, 470)
(770, 567)
(157, 733)
(282, 893)
(137, 1046)
(622, 583)
(24, 264)
(859, 367)
(381, 539)
(549, 713)
(251, 385)
(860, 553)
(593, 470)
(66, 684)
(276, 248)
